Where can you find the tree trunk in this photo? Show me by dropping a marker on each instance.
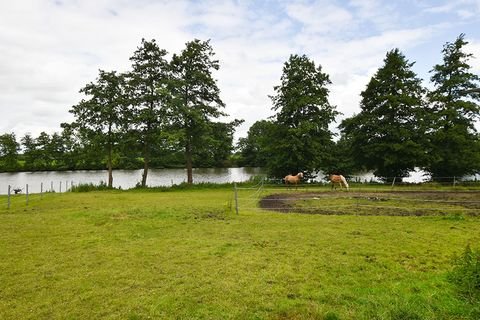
(146, 160)
(188, 158)
(109, 165)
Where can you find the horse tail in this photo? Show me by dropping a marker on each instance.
(344, 181)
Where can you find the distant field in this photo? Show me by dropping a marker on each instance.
(185, 254)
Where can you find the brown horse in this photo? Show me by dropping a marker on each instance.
(334, 179)
(293, 179)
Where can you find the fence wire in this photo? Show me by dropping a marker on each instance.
(319, 198)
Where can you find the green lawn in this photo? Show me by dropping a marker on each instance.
(185, 255)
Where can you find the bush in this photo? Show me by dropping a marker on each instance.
(87, 187)
(466, 273)
(184, 186)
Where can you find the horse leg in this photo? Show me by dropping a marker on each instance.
(334, 185)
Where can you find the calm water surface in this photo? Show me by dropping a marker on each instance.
(59, 181)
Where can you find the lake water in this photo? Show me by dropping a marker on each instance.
(59, 181)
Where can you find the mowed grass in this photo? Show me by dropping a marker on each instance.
(186, 255)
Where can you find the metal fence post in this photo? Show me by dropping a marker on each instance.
(8, 201)
(26, 194)
(236, 197)
(41, 190)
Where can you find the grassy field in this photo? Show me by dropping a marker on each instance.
(185, 254)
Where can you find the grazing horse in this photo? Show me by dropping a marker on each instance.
(334, 179)
(293, 179)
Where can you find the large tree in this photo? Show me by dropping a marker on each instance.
(71, 147)
(254, 148)
(454, 147)
(217, 146)
(101, 116)
(9, 148)
(29, 151)
(301, 138)
(44, 158)
(195, 97)
(386, 136)
(147, 82)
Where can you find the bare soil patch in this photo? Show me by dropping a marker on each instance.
(392, 203)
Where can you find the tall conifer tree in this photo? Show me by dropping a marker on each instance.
(386, 136)
(454, 148)
(301, 139)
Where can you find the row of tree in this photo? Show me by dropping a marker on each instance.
(67, 151)
(401, 124)
(160, 113)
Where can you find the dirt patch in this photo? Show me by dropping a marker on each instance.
(403, 203)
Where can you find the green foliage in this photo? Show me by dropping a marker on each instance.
(60, 151)
(300, 139)
(146, 87)
(29, 151)
(195, 101)
(466, 274)
(254, 149)
(455, 148)
(162, 114)
(88, 187)
(342, 158)
(185, 186)
(386, 136)
(9, 148)
(217, 145)
(101, 118)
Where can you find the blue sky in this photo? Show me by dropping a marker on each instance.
(50, 49)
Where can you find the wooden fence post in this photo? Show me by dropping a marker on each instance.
(41, 190)
(26, 194)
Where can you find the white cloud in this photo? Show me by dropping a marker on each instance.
(473, 47)
(50, 49)
(320, 17)
(465, 9)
